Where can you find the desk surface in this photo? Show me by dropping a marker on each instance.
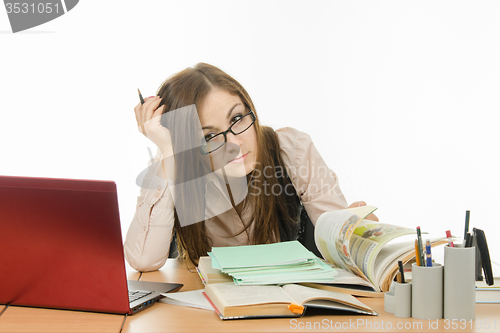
(171, 318)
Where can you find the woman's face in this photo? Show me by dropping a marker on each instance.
(218, 112)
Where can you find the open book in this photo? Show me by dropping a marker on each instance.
(290, 300)
(370, 250)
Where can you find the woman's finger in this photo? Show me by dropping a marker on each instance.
(149, 106)
(158, 112)
(372, 217)
(357, 204)
(137, 112)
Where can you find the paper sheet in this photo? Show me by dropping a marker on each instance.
(194, 299)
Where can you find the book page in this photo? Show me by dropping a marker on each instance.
(367, 241)
(347, 277)
(231, 295)
(332, 234)
(304, 294)
(193, 298)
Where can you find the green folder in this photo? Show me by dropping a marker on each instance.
(264, 255)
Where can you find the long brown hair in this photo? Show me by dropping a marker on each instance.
(191, 86)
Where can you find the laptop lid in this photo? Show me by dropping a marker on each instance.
(61, 245)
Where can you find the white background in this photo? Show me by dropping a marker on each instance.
(400, 97)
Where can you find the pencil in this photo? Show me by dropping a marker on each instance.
(420, 247)
(417, 253)
(140, 96)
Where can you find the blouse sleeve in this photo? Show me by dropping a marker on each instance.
(317, 186)
(149, 235)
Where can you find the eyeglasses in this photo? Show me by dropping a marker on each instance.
(238, 127)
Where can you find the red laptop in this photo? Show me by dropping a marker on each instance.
(61, 247)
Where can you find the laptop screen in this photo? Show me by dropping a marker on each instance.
(61, 245)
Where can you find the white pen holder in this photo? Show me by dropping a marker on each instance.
(402, 300)
(389, 302)
(459, 283)
(427, 291)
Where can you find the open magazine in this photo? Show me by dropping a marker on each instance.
(363, 247)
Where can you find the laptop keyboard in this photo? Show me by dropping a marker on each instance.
(134, 295)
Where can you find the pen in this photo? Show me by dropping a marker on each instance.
(417, 253)
(467, 217)
(401, 271)
(450, 242)
(142, 102)
(468, 240)
(420, 247)
(140, 96)
(428, 252)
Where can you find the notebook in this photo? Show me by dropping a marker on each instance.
(61, 247)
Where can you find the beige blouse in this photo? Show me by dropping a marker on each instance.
(149, 235)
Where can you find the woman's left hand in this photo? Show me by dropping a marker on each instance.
(372, 216)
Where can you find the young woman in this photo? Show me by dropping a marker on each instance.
(210, 142)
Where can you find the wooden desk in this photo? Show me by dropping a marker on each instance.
(25, 319)
(171, 318)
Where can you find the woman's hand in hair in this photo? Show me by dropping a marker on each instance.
(372, 216)
(148, 117)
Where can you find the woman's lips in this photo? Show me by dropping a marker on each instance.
(239, 159)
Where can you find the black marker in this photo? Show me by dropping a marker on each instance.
(467, 217)
(401, 271)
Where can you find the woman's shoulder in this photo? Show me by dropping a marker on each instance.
(291, 137)
(294, 145)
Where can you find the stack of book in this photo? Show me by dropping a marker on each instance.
(278, 263)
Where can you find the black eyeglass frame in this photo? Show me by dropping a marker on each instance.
(229, 130)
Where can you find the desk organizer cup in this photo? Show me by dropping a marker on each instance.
(459, 283)
(402, 300)
(389, 302)
(427, 291)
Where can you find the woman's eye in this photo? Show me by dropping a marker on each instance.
(236, 118)
(209, 136)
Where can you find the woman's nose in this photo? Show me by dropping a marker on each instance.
(234, 139)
